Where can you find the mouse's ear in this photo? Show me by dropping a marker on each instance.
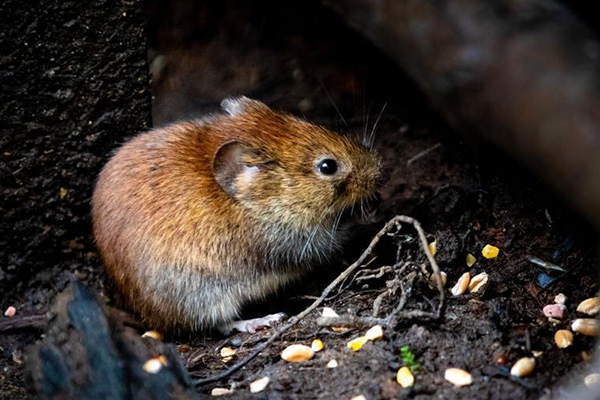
(236, 165)
(238, 105)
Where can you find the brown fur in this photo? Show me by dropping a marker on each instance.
(187, 254)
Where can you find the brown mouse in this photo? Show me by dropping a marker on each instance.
(196, 219)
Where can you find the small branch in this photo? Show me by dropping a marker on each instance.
(38, 321)
(393, 223)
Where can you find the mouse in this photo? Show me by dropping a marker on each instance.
(199, 218)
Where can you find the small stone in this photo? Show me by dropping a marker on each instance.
(329, 312)
(259, 385)
(560, 299)
(555, 310)
(332, 364)
(10, 312)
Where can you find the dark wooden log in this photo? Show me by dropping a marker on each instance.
(87, 354)
(523, 74)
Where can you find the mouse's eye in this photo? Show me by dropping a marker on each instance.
(327, 166)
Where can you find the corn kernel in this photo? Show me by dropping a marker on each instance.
(357, 343)
(490, 251)
(471, 260)
(433, 248)
(316, 345)
(405, 378)
(374, 333)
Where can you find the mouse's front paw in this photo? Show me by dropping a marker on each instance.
(252, 325)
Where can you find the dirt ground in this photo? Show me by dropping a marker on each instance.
(69, 99)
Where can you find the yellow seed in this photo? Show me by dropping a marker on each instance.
(297, 353)
(405, 377)
(590, 306)
(332, 364)
(458, 377)
(62, 193)
(477, 282)
(523, 367)
(316, 345)
(259, 385)
(374, 333)
(434, 280)
(220, 391)
(433, 247)
(471, 260)
(490, 251)
(462, 284)
(154, 335)
(563, 338)
(228, 352)
(586, 326)
(357, 343)
(591, 380)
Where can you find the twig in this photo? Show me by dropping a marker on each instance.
(23, 322)
(393, 223)
(423, 153)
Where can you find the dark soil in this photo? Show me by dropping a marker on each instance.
(74, 86)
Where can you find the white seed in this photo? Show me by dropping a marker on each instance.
(297, 353)
(591, 380)
(259, 385)
(462, 285)
(359, 397)
(586, 326)
(444, 279)
(153, 366)
(537, 353)
(332, 364)
(374, 333)
(590, 306)
(523, 367)
(228, 352)
(560, 299)
(458, 377)
(477, 282)
(405, 377)
(328, 312)
(220, 391)
(563, 338)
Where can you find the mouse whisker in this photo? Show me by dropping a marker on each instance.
(332, 102)
(308, 241)
(372, 135)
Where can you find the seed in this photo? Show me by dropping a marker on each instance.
(560, 299)
(523, 367)
(586, 326)
(316, 345)
(154, 365)
(154, 335)
(328, 312)
(220, 391)
(471, 260)
(591, 380)
(462, 285)
(359, 397)
(563, 338)
(433, 248)
(434, 280)
(332, 364)
(537, 353)
(458, 377)
(356, 344)
(374, 333)
(590, 306)
(259, 385)
(228, 352)
(297, 353)
(490, 251)
(477, 282)
(405, 377)
(501, 360)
